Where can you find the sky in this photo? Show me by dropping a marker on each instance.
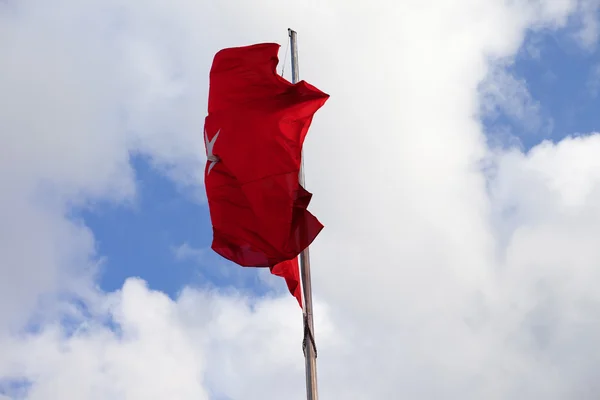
(454, 168)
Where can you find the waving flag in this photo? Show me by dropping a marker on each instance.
(256, 125)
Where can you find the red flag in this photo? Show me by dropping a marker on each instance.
(290, 271)
(254, 132)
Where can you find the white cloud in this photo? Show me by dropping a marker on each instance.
(152, 356)
(431, 281)
(186, 252)
(185, 349)
(587, 35)
(503, 92)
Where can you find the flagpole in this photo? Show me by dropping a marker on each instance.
(310, 352)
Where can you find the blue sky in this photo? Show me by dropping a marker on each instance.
(432, 278)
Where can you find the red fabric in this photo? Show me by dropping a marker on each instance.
(257, 206)
(290, 271)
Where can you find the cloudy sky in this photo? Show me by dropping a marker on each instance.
(455, 168)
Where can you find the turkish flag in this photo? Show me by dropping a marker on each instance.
(256, 125)
(290, 271)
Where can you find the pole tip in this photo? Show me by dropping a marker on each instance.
(291, 31)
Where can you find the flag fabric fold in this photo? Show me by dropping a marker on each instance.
(254, 132)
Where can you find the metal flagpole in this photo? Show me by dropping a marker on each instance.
(310, 351)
